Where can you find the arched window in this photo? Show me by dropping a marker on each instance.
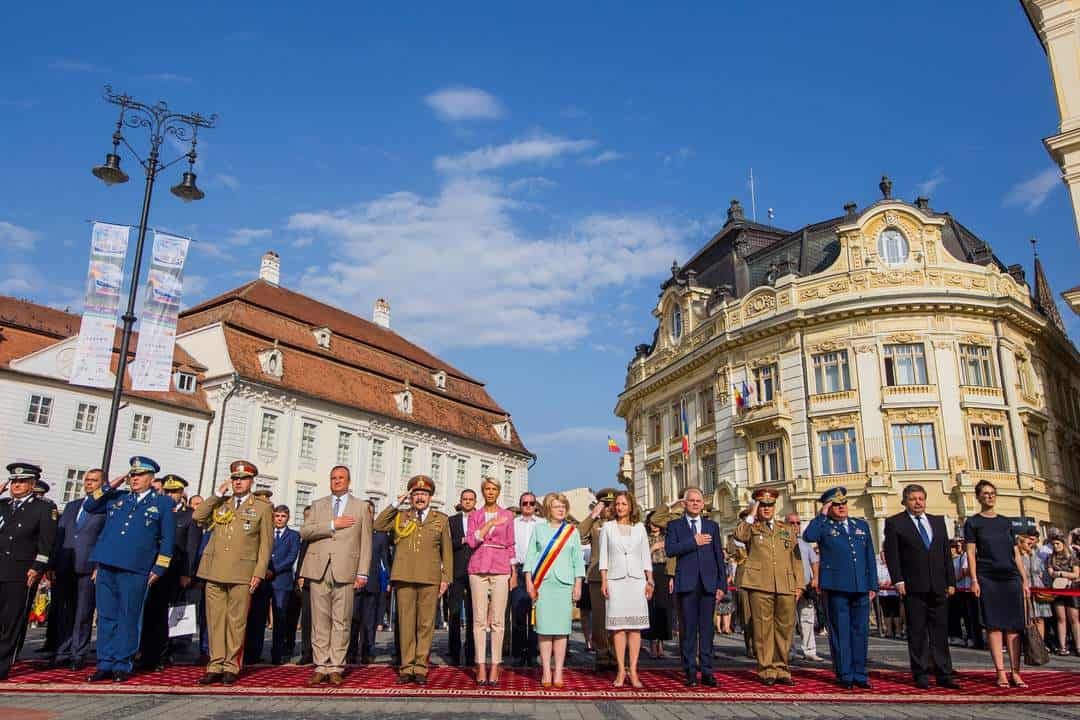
(893, 246)
(676, 324)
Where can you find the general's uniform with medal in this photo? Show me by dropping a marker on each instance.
(848, 576)
(239, 549)
(137, 540)
(771, 574)
(423, 558)
(27, 531)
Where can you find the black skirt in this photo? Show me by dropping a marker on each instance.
(1001, 603)
(659, 606)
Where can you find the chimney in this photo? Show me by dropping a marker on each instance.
(270, 269)
(381, 316)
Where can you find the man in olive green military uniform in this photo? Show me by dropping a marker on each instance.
(590, 535)
(422, 570)
(233, 564)
(773, 576)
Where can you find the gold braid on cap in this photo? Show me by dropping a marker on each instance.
(223, 514)
(403, 531)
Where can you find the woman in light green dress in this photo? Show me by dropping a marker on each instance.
(559, 589)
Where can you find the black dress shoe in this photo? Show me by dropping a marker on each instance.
(210, 678)
(691, 681)
(864, 685)
(846, 684)
(120, 676)
(54, 663)
(77, 665)
(420, 679)
(949, 683)
(228, 678)
(307, 660)
(708, 680)
(768, 682)
(785, 681)
(922, 684)
(367, 660)
(404, 679)
(100, 676)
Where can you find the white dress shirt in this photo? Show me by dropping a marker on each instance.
(523, 530)
(925, 524)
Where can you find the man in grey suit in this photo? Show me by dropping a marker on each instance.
(72, 576)
(337, 562)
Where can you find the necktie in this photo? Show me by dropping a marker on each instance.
(693, 525)
(922, 531)
(337, 507)
(238, 501)
(277, 534)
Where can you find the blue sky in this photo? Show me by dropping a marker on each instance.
(516, 181)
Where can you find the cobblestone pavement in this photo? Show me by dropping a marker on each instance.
(890, 654)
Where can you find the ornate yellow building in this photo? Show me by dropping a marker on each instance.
(872, 350)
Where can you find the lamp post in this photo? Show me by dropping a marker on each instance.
(159, 122)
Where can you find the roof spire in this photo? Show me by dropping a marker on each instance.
(1044, 296)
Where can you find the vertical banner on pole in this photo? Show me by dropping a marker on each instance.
(97, 334)
(152, 368)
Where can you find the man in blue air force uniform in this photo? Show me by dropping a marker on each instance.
(849, 578)
(133, 551)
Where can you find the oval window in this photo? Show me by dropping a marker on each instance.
(893, 246)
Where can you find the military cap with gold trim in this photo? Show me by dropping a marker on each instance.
(263, 493)
(140, 465)
(765, 496)
(607, 495)
(23, 471)
(242, 469)
(421, 483)
(41, 487)
(173, 483)
(836, 496)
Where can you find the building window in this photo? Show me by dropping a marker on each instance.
(676, 420)
(656, 484)
(436, 467)
(914, 447)
(73, 483)
(304, 495)
(406, 460)
(976, 367)
(40, 410)
(440, 379)
(378, 447)
(344, 448)
(655, 430)
(676, 324)
(86, 417)
(268, 432)
(767, 381)
(1022, 370)
(831, 373)
(1035, 448)
(185, 382)
(678, 478)
(989, 445)
(264, 483)
(893, 246)
(839, 453)
(905, 365)
(140, 428)
(708, 475)
(307, 441)
(771, 460)
(508, 482)
(185, 435)
(461, 474)
(485, 470)
(706, 407)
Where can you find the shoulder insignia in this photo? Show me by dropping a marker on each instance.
(55, 514)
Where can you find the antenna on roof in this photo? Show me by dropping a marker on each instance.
(753, 199)
(1034, 249)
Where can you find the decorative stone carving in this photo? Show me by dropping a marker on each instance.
(903, 338)
(759, 304)
(265, 396)
(912, 415)
(957, 464)
(976, 339)
(869, 347)
(827, 346)
(835, 422)
(272, 362)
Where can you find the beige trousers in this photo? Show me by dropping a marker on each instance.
(489, 594)
(226, 619)
(331, 617)
(773, 618)
(416, 624)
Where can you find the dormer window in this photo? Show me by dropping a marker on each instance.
(893, 246)
(404, 400)
(502, 429)
(322, 337)
(676, 324)
(272, 363)
(439, 376)
(185, 382)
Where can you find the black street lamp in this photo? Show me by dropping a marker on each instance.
(160, 122)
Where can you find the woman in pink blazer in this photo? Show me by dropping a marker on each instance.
(491, 535)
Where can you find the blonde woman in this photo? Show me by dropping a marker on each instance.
(627, 583)
(554, 571)
(491, 535)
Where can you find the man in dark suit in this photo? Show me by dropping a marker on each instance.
(281, 575)
(366, 599)
(921, 568)
(700, 582)
(72, 576)
(459, 595)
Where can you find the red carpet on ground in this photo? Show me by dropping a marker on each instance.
(735, 685)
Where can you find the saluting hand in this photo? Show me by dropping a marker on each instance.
(825, 508)
(597, 509)
(223, 487)
(4, 486)
(401, 498)
(118, 481)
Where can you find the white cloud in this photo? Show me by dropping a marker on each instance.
(460, 271)
(303, 241)
(580, 435)
(13, 237)
(927, 187)
(464, 103)
(493, 157)
(604, 157)
(1032, 193)
(18, 279)
(528, 184)
(243, 237)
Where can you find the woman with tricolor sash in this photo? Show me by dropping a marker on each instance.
(554, 570)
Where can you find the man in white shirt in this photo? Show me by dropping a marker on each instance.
(805, 608)
(524, 645)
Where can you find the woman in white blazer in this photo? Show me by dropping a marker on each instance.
(627, 583)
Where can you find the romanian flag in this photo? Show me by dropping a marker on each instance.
(612, 446)
(685, 433)
(747, 391)
(740, 399)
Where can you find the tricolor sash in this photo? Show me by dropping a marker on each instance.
(547, 558)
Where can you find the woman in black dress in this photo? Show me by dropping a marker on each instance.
(660, 604)
(999, 582)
